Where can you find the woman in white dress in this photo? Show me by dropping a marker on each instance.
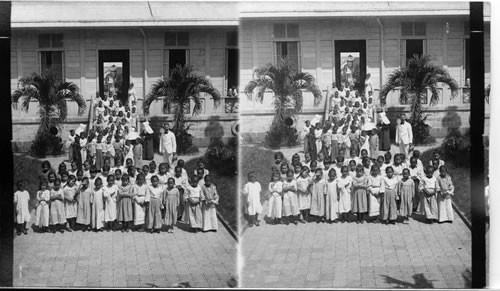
(344, 185)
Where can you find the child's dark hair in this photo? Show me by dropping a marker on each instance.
(279, 155)
(443, 169)
(46, 163)
(359, 168)
(125, 177)
(106, 168)
(21, 182)
(340, 159)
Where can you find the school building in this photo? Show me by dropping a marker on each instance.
(377, 37)
(142, 40)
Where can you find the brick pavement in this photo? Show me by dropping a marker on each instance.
(353, 255)
(117, 259)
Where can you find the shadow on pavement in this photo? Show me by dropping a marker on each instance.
(420, 282)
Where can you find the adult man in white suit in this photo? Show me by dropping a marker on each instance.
(168, 145)
(404, 136)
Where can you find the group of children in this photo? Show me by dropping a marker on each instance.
(108, 135)
(375, 190)
(119, 198)
(348, 130)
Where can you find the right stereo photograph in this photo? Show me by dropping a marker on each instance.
(355, 137)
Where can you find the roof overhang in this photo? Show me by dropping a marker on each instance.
(324, 9)
(81, 14)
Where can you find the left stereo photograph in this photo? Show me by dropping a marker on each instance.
(125, 141)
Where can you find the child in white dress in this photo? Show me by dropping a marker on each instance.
(331, 205)
(42, 209)
(252, 191)
(109, 194)
(275, 199)
(344, 185)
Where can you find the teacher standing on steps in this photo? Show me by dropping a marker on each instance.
(404, 136)
(168, 145)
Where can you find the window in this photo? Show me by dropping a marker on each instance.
(232, 71)
(232, 38)
(410, 47)
(52, 60)
(413, 29)
(289, 50)
(174, 57)
(176, 38)
(286, 30)
(50, 40)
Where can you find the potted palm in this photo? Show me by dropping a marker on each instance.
(287, 86)
(178, 88)
(413, 80)
(51, 95)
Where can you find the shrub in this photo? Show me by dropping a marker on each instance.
(46, 143)
(222, 158)
(421, 133)
(184, 140)
(281, 135)
(457, 147)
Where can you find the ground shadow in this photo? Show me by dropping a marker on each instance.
(420, 282)
(214, 129)
(452, 121)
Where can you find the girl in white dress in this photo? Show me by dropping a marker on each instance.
(331, 205)
(70, 203)
(21, 202)
(140, 190)
(42, 209)
(57, 215)
(252, 191)
(109, 194)
(374, 186)
(97, 219)
(429, 188)
(304, 195)
(344, 184)
(445, 194)
(290, 202)
(275, 201)
(193, 215)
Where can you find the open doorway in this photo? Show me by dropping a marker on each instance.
(114, 74)
(350, 63)
(232, 71)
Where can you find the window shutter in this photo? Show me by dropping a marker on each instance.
(170, 38)
(44, 41)
(402, 53)
(279, 30)
(419, 29)
(406, 28)
(292, 30)
(182, 38)
(57, 40)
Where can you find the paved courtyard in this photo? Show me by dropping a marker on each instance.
(353, 255)
(117, 259)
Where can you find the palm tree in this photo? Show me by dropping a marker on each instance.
(413, 80)
(51, 95)
(178, 88)
(287, 86)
